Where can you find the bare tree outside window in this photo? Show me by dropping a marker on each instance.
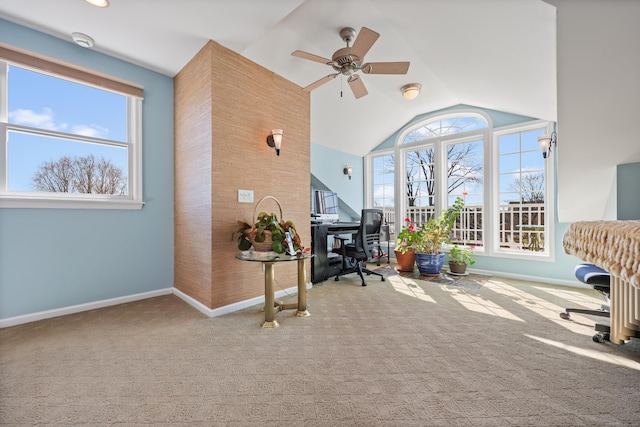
(458, 171)
(86, 175)
(530, 187)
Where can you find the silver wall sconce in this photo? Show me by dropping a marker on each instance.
(411, 90)
(348, 170)
(275, 140)
(546, 141)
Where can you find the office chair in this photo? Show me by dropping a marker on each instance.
(355, 254)
(600, 280)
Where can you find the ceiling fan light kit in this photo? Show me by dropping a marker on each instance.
(349, 60)
(411, 90)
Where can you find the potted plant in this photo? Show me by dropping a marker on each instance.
(432, 237)
(267, 233)
(459, 259)
(405, 245)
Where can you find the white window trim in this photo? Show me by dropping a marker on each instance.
(549, 220)
(132, 201)
(491, 195)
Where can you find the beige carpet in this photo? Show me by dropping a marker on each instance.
(404, 352)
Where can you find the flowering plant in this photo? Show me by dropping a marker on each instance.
(407, 237)
(437, 231)
(461, 256)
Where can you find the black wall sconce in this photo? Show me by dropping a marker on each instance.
(546, 141)
(275, 140)
(348, 170)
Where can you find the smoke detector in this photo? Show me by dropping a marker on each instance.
(82, 40)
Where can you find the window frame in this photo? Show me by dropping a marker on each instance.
(134, 197)
(489, 136)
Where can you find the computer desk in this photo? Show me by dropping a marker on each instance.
(322, 267)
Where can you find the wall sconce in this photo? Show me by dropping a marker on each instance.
(348, 170)
(546, 141)
(275, 140)
(411, 90)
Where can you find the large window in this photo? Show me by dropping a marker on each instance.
(383, 186)
(67, 142)
(500, 174)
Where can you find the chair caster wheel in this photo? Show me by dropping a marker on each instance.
(600, 337)
(382, 279)
(337, 279)
(564, 316)
(364, 284)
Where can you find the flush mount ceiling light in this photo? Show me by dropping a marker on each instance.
(98, 3)
(411, 90)
(82, 40)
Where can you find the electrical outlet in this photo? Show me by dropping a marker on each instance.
(245, 196)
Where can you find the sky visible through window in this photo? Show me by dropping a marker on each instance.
(52, 104)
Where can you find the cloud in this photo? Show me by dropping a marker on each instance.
(92, 130)
(45, 120)
(42, 120)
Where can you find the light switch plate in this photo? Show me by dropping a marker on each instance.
(245, 196)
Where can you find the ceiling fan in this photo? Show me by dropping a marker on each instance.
(349, 60)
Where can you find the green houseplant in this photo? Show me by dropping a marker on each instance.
(267, 229)
(459, 258)
(432, 237)
(267, 233)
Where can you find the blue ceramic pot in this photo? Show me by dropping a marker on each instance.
(430, 264)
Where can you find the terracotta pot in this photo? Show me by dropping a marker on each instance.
(456, 268)
(405, 261)
(430, 264)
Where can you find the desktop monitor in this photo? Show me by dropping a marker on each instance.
(325, 206)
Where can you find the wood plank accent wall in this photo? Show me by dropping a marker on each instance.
(225, 107)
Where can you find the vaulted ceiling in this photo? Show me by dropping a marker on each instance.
(497, 54)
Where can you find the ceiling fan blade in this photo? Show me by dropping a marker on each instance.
(386, 67)
(311, 57)
(365, 39)
(357, 86)
(320, 82)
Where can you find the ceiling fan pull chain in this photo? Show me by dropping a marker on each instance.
(341, 80)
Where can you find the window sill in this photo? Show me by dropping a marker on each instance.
(44, 202)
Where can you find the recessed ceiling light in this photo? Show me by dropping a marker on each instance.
(98, 3)
(82, 40)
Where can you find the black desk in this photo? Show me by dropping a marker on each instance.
(323, 266)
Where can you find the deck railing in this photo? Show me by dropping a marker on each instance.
(521, 225)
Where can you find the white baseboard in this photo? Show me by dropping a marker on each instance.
(41, 315)
(215, 312)
(527, 278)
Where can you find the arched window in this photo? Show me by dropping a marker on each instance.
(446, 126)
(497, 171)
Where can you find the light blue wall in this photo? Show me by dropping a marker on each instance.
(54, 258)
(327, 165)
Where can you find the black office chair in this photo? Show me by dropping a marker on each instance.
(355, 254)
(600, 280)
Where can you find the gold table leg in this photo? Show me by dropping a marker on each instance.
(302, 291)
(269, 303)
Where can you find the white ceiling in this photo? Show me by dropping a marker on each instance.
(498, 54)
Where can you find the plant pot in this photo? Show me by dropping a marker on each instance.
(405, 260)
(457, 268)
(430, 264)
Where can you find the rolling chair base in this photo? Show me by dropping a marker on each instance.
(359, 270)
